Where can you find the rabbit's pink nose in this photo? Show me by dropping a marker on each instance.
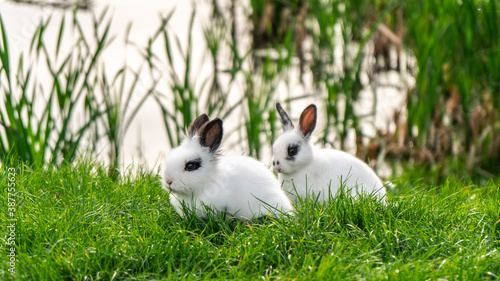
(169, 180)
(278, 168)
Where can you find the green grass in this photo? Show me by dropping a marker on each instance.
(75, 223)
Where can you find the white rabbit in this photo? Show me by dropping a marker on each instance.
(197, 175)
(304, 170)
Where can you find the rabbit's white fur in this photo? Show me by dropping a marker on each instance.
(240, 186)
(318, 171)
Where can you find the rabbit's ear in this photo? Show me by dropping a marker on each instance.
(211, 134)
(197, 123)
(307, 121)
(285, 120)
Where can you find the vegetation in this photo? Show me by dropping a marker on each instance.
(451, 114)
(40, 127)
(457, 94)
(76, 223)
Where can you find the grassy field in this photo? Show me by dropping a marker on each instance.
(75, 223)
(85, 221)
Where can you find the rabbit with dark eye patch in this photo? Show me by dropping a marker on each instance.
(198, 176)
(304, 170)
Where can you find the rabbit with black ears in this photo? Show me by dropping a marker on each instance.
(304, 170)
(198, 177)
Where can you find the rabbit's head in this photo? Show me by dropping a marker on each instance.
(191, 166)
(292, 150)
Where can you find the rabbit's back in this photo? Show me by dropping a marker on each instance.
(352, 171)
(252, 188)
(330, 169)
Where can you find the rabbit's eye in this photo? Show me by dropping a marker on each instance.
(292, 150)
(192, 165)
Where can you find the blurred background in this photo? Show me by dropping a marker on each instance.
(407, 86)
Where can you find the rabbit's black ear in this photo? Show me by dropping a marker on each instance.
(197, 123)
(285, 120)
(307, 121)
(211, 134)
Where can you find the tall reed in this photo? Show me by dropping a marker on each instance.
(51, 135)
(42, 127)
